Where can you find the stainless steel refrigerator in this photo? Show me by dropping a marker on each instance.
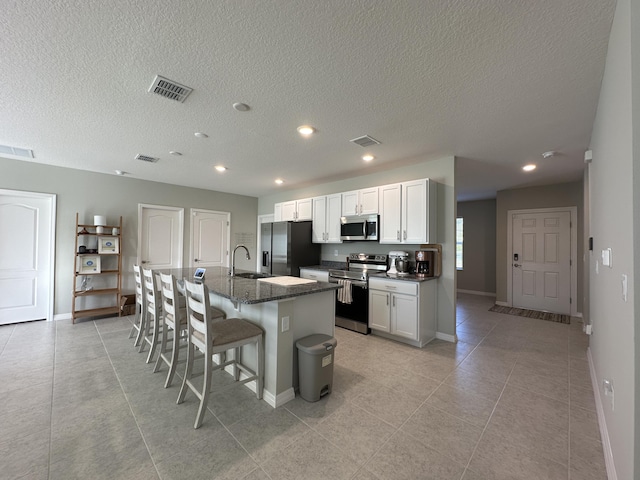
(287, 246)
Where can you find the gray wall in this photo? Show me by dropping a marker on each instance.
(551, 196)
(93, 193)
(479, 247)
(443, 172)
(615, 224)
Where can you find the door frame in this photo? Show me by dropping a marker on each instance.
(192, 212)
(574, 251)
(52, 239)
(180, 210)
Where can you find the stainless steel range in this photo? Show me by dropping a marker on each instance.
(354, 315)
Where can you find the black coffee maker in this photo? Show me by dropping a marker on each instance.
(425, 263)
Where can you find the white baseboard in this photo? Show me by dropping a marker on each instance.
(270, 398)
(277, 401)
(475, 292)
(577, 315)
(62, 316)
(447, 337)
(502, 304)
(604, 433)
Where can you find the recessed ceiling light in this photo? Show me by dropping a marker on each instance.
(306, 130)
(279, 181)
(368, 158)
(549, 154)
(120, 172)
(220, 168)
(529, 168)
(177, 154)
(201, 135)
(241, 107)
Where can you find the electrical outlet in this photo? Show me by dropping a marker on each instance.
(285, 324)
(588, 329)
(607, 386)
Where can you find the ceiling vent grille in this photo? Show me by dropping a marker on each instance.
(170, 89)
(18, 152)
(146, 158)
(365, 141)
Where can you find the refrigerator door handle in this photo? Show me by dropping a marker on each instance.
(265, 259)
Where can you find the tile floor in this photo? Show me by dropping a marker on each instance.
(511, 400)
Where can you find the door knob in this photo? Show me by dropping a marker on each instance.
(517, 265)
(143, 261)
(196, 260)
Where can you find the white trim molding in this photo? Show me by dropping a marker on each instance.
(602, 422)
(446, 337)
(475, 292)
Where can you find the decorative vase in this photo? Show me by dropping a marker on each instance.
(100, 229)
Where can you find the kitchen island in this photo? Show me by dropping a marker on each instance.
(285, 313)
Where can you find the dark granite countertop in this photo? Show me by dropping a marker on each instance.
(244, 290)
(406, 278)
(412, 277)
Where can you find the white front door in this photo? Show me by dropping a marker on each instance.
(209, 238)
(27, 233)
(160, 233)
(541, 261)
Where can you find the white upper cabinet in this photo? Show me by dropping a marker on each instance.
(360, 202)
(390, 208)
(408, 212)
(326, 218)
(294, 210)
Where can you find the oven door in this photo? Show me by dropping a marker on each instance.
(354, 315)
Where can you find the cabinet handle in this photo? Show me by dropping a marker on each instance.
(390, 287)
(394, 301)
(387, 300)
(196, 260)
(143, 261)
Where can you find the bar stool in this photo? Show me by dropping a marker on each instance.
(153, 313)
(175, 319)
(138, 319)
(217, 337)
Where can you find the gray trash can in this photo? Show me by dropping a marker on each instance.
(315, 366)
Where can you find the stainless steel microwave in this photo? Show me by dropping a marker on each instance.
(360, 227)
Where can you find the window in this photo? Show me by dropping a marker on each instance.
(459, 239)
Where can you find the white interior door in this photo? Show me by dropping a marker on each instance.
(160, 233)
(27, 233)
(209, 238)
(541, 261)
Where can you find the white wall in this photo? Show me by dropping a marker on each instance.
(442, 171)
(614, 224)
(92, 193)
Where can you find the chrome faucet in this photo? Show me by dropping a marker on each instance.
(233, 258)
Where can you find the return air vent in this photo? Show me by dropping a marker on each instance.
(365, 141)
(170, 89)
(146, 158)
(18, 152)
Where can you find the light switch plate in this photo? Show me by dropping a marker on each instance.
(606, 257)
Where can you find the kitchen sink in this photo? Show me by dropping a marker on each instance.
(251, 275)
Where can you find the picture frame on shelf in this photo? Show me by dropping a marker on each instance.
(89, 264)
(108, 245)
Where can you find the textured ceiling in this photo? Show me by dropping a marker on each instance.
(494, 82)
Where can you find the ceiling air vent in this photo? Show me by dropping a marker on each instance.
(18, 152)
(365, 141)
(170, 89)
(146, 158)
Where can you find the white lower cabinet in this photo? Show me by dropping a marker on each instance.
(403, 310)
(312, 274)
